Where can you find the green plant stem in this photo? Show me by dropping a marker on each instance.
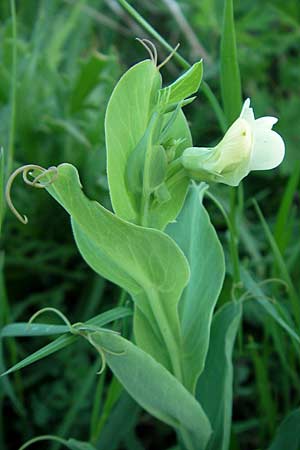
(295, 305)
(232, 244)
(212, 99)
(234, 232)
(181, 61)
(97, 420)
(81, 395)
(10, 154)
(167, 333)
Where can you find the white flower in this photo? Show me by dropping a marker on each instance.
(249, 144)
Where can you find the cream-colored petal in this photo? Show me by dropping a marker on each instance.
(268, 149)
(266, 122)
(236, 146)
(247, 112)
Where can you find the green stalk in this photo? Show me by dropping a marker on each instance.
(212, 99)
(167, 333)
(10, 154)
(232, 244)
(98, 420)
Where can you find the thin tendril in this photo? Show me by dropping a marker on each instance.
(25, 170)
(86, 331)
(46, 437)
(149, 50)
(168, 57)
(102, 350)
(234, 288)
(248, 294)
(274, 280)
(80, 326)
(57, 312)
(101, 353)
(34, 182)
(147, 41)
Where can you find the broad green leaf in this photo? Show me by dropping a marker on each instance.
(288, 433)
(64, 341)
(214, 389)
(187, 84)
(230, 72)
(155, 389)
(87, 79)
(146, 157)
(144, 262)
(198, 240)
(127, 117)
(129, 114)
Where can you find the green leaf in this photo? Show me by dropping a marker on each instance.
(155, 389)
(288, 433)
(144, 262)
(87, 79)
(176, 182)
(214, 389)
(127, 117)
(187, 84)
(64, 341)
(147, 164)
(198, 240)
(129, 114)
(230, 72)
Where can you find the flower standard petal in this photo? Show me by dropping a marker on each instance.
(268, 149)
(266, 122)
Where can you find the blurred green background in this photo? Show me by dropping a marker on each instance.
(69, 55)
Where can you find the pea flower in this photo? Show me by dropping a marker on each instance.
(249, 144)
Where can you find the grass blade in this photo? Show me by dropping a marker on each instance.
(64, 341)
(1, 187)
(284, 210)
(230, 72)
(26, 330)
(181, 61)
(281, 265)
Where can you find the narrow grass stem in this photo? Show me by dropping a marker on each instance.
(11, 144)
(232, 244)
(212, 99)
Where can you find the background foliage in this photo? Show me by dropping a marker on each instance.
(69, 56)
